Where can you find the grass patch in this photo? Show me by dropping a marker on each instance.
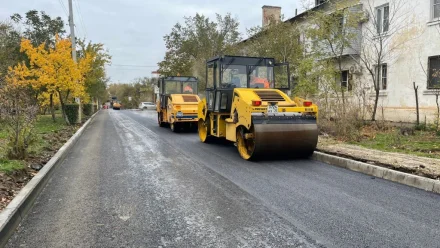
(8, 166)
(422, 143)
(45, 124)
(3, 134)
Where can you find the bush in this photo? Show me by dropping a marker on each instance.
(71, 111)
(346, 126)
(88, 109)
(19, 112)
(421, 127)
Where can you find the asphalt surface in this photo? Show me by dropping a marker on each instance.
(130, 183)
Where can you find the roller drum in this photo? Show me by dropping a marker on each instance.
(278, 135)
(285, 139)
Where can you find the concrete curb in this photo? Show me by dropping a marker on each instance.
(380, 172)
(17, 209)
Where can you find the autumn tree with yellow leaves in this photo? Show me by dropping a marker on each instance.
(53, 70)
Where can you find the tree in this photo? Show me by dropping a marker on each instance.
(140, 90)
(47, 101)
(332, 35)
(40, 28)
(281, 40)
(9, 48)
(387, 31)
(95, 79)
(145, 89)
(55, 70)
(189, 45)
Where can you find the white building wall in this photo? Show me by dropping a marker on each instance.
(398, 100)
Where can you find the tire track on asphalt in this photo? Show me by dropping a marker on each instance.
(199, 215)
(188, 222)
(355, 208)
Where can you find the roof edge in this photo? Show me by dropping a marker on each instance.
(270, 7)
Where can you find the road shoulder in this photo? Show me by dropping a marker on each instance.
(17, 209)
(416, 171)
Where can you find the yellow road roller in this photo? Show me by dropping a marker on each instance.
(117, 105)
(246, 103)
(177, 105)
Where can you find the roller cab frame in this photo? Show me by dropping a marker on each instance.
(246, 103)
(177, 105)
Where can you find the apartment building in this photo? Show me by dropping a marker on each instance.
(417, 62)
(411, 33)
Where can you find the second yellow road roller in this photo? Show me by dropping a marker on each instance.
(246, 103)
(178, 102)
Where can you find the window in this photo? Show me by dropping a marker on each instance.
(382, 18)
(341, 23)
(282, 77)
(261, 77)
(345, 80)
(190, 87)
(224, 101)
(210, 100)
(435, 9)
(383, 76)
(217, 102)
(434, 72)
(217, 74)
(234, 76)
(172, 87)
(298, 38)
(210, 77)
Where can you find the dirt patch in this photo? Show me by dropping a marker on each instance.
(422, 166)
(12, 183)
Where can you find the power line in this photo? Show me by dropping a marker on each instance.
(78, 9)
(127, 69)
(133, 65)
(64, 8)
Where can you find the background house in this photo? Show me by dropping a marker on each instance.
(417, 61)
(409, 32)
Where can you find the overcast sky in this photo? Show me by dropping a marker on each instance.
(133, 30)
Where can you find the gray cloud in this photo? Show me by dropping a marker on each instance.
(133, 30)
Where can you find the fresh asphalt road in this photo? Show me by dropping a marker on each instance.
(129, 183)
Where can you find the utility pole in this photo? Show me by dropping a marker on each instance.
(73, 41)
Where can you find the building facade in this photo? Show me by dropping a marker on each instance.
(410, 30)
(415, 63)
